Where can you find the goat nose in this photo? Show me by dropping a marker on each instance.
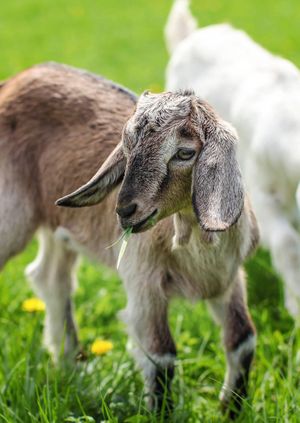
(126, 211)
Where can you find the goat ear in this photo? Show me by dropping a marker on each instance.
(218, 193)
(102, 183)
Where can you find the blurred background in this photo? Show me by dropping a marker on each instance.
(123, 41)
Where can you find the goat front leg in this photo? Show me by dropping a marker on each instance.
(146, 316)
(231, 312)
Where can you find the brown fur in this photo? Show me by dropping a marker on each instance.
(57, 126)
(239, 324)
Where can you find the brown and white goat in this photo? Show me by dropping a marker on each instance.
(178, 163)
(57, 126)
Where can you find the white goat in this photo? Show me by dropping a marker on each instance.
(57, 125)
(260, 94)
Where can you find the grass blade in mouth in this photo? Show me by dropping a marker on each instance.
(125, 233)
(125, 236)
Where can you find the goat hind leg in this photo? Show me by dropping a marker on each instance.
(277, 233)
(285, 250)
(53, 279)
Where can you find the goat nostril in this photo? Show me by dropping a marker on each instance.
(126, 211)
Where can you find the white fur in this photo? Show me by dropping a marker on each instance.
(180, 24)
(260, 94)
(150, 363)
(234, 367)
(52, 275)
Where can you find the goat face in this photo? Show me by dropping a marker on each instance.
(175, 153)
(161, 145)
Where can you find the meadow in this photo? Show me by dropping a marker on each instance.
(123, 40)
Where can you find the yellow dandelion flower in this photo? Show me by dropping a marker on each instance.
(100, 347)
(33, 304)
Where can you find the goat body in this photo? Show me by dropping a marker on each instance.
(179, 159)
(58, 125)
(260, 94)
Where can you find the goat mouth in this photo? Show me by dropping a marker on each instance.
(145, 223)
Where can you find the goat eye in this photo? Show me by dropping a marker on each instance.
(184, 154)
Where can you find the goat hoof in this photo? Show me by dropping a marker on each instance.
(161, 406)
(233, 406)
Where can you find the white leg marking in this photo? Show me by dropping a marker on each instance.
(52, 275)
(234, 366)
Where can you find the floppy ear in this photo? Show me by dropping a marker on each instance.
(218, 192)
(102, 183)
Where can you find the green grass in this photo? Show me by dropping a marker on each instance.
(123, 41)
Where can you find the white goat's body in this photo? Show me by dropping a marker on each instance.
(260, 94)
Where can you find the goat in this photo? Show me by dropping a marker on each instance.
(57, 125)
(260, 94)
(183, 198)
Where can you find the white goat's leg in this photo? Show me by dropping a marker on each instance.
(285, 250)
(278, 234)
(232, 314)
(52, 275)
(154, 350)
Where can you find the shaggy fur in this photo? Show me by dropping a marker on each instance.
(199, 251)
(57, 126)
